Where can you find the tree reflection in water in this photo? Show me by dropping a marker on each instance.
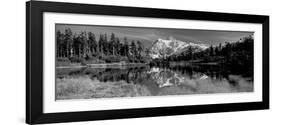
(176, 80)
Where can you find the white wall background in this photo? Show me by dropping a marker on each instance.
(12, 61)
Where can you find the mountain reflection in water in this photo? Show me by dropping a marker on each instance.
(78, 83)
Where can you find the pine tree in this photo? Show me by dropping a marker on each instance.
(133, 50)
(59, 43)
(118, 46)
(211, 51)
(126, 47)
(76, 45)
(84, 45)
(112, 44)
(101, 45)
(92, 43)
(139, 49)
(68, 43)
(105, 45)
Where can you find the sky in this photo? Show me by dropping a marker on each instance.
(148, 35)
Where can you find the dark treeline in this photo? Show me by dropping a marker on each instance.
(84, 47)
(87, 48)
(234, 57)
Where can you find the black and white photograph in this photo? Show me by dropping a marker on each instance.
(96, 61)
(88, 62)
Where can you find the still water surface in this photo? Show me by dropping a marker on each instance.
(83, 83)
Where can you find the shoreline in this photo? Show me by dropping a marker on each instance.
(104, 65)
(194, 63)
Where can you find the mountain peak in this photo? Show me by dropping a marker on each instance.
(162, 48)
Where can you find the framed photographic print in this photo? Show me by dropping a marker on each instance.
(95, 62)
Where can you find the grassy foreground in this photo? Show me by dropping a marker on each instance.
(84, 88)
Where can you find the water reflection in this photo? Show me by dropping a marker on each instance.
(148, 81)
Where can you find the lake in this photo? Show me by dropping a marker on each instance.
(128, 81)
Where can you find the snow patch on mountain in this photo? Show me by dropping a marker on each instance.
(166, 47)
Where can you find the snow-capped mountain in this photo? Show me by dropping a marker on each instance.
(164, 48)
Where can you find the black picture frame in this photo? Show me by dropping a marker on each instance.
(34, 61)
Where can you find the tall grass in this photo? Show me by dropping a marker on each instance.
(83, 88)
